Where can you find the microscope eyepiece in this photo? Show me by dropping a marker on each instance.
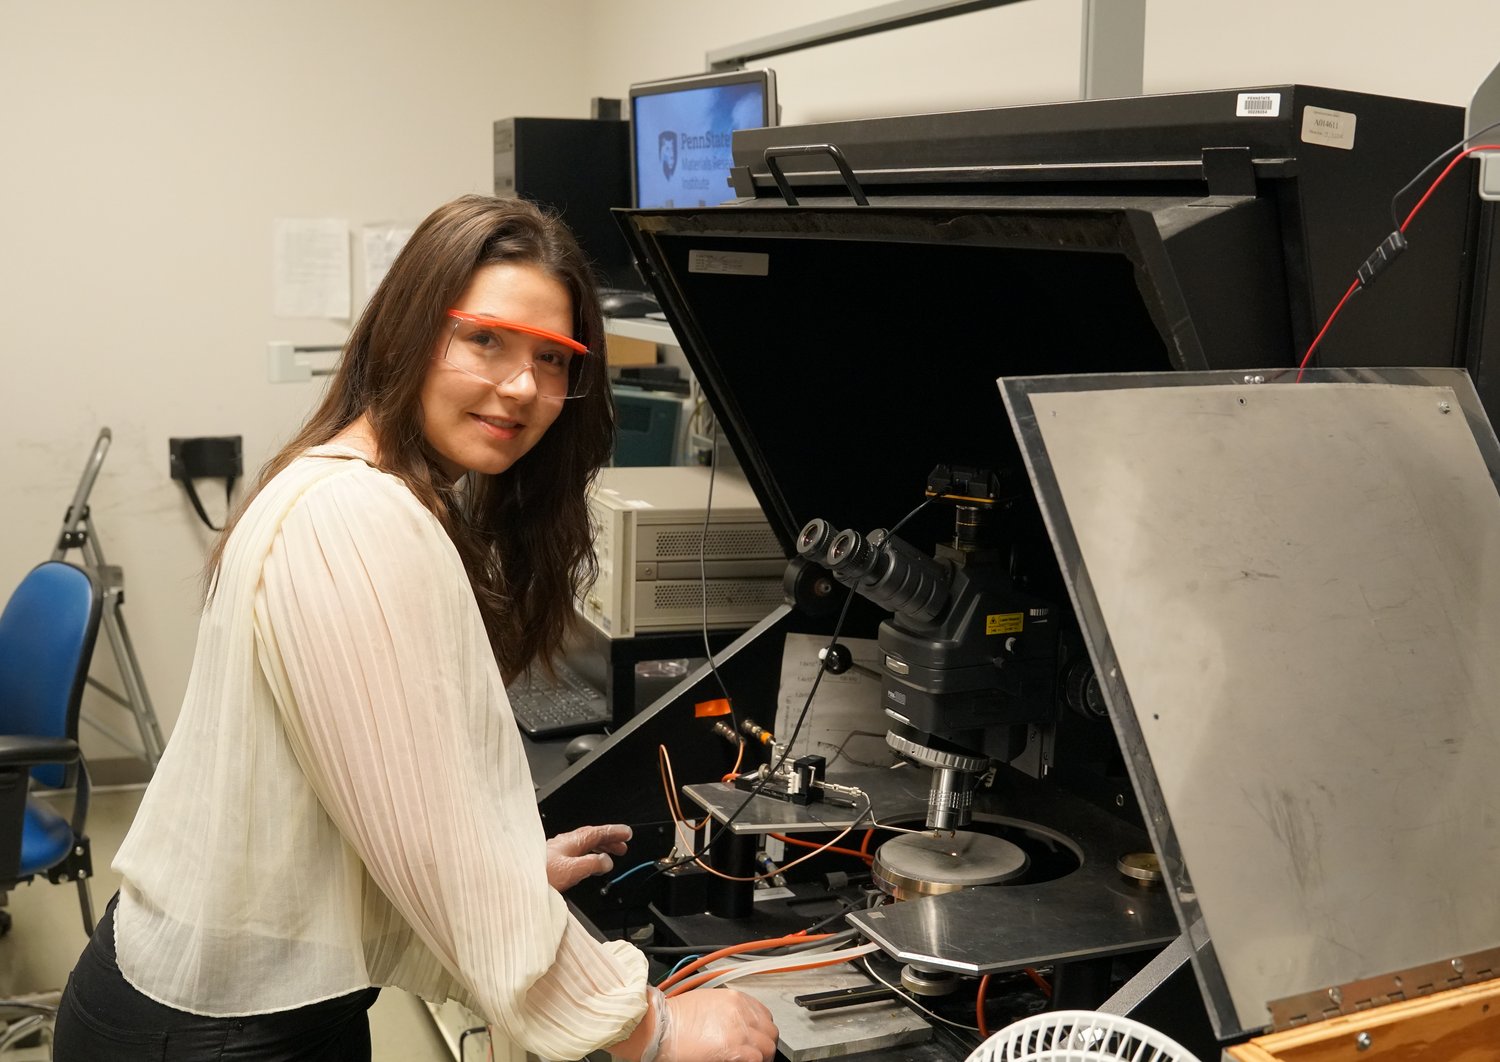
(880, 567)
(813, 539)
(850, 556)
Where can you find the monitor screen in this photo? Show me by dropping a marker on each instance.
(680, 134)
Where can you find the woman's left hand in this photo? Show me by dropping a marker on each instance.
(579, 853)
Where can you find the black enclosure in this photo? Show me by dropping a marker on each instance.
(850, 314)
(850, 347)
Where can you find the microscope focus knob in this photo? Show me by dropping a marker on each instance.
(1082, 691)
(939, 759)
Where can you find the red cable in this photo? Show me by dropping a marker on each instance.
(1041, 982)
(1326, 325)
(984, 1029)
(1433, 187)
(1446, 170)
(824, 848)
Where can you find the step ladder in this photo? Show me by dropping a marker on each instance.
(78, 533)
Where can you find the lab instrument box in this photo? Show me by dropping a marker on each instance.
(656, 564)
(580, 169)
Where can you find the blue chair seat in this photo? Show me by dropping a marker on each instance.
(47, 631)
(46, 838)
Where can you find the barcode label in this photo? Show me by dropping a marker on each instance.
(1257, 105)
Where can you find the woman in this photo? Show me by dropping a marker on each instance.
(345, 801)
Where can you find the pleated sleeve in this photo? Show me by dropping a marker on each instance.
(368, 630)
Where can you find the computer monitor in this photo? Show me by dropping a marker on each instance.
(680, 134)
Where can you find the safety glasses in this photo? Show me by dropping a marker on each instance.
(497, 352)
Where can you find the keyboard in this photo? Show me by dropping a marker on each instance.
(548, 708)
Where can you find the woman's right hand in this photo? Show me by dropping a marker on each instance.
(717, 1025)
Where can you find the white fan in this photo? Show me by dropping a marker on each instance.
(1079, 1036)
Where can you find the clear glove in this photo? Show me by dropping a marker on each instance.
(712, 1025)
(579, 853)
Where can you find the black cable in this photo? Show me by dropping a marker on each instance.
(1395, 213)
(838, 750)
(713, 467)
(846, 908)
(801, 716)
(785, 949)
(1392, 246)
(663, 867)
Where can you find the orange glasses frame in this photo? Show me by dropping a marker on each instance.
(512, 326)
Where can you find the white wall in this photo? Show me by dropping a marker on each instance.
(1023, 53)
(147, 148)
(1030, 52)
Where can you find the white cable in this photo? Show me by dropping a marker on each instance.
(909, 998)
(782, 962)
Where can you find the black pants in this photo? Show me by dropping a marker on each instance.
(103, 1019)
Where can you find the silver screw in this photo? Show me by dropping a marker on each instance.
(1119, 800)
(1255, 379)
(1445, 407)
(1335, 995)
(1458, 966)
(1363, 1041)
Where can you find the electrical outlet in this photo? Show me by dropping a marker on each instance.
(285, 365)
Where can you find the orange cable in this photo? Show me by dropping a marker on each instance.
(669, 783)
(1041, 982)
(800, 937)
(733, 771)
(984, 985)
(824, 848)
(688, 986)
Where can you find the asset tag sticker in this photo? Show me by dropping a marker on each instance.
(1329, 128)
(1004, 623)
(1257, 105)
(730, 263)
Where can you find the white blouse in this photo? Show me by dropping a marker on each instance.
(345, 801)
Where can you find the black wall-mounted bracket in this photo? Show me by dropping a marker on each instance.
(206, 457)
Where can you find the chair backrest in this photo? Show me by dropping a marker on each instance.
(47, 634)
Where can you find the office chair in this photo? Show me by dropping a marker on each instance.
(47, 634)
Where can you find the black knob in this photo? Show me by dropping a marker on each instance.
(1083, 692)
(837, 659)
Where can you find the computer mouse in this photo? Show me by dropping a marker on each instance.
(581, 746)
(628, 304)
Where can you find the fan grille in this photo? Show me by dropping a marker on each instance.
(1080, 1036)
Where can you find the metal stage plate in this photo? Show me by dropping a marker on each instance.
(1093, 911)
(837, 1032)
(921, 864)
(765, 814)
(1008, 927)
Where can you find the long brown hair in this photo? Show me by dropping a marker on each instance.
(524, 535)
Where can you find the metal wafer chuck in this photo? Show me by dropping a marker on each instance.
(951, 797)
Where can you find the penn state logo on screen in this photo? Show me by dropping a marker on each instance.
(666, 146)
